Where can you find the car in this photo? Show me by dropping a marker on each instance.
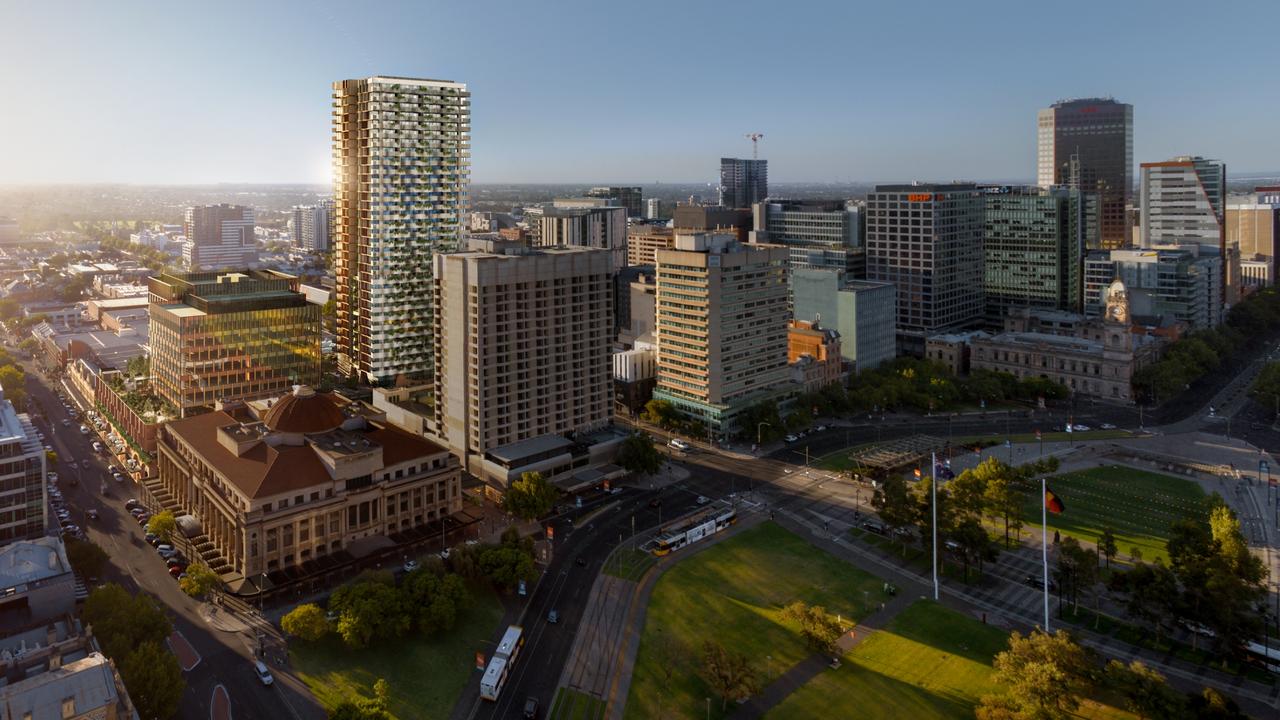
(1107, 426)
(167, 554)
(656, 502)
(874, 527)
(73, 465)
(820, 428)
(180, 563)
(151, 538)
(53, 476)
(264, 675)
(137, 510)
(1080, 428)
(97, 446)
(531, 708)
(703, 499)
(84, 429)
(144, 518)
(444, 554)
(792, 438)
(91, 514)
(410, 565)
(165, 546)
(615, 491)
(678, 444)
(132, 503)
(1036, 582)
(66, 422)
(553, 617)
(580, 562)
(176, 570)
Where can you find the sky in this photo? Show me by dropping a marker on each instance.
(638, 92)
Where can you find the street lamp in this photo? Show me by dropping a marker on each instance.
(759, 432)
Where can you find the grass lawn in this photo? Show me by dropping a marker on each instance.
(930, 662)
(426, 675)
(1138, 506)
(573, 705)
(734, 593)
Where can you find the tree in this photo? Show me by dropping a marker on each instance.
(9, 309)
(1151, 594)
(819, 630)
(1211, 704)
(1005, 502)
(200, 580)
(729, 674)
(506, 566)
(972, 544)
(122, 622)
(86, 558)
(369, 611)
(154, 681)
(435, 599)
(892, 501)
(306, 622)
(14, 381)
(1145, 691)
(50, 458)
(638, 455)
(162, 525)
(1046, 674)
(661, 413)
(530, 497)
(1107, 545)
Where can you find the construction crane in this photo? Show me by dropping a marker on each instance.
(755, 144)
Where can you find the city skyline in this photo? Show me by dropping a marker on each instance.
(886, 106)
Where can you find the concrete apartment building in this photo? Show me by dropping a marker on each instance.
(1087, 144)
(401, 163)
(523, 359)
(219, 236)
(227, 336)
(311, 225)
(862, 311)
(276, 484)
(569, 222)
(926, 240)
(825, 234)
(644, 242)
(721, 327)
(24, 499)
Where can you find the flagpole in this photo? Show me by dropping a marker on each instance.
(1044, 546)
(933, 475)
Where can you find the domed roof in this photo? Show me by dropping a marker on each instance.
(303, 411)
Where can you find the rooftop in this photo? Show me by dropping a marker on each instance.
(1038, 339)
(517, 451)
(88, 681)
(28, 561)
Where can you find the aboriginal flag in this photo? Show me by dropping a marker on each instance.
(1052, 502)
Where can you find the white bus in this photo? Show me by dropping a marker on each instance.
(504, 658)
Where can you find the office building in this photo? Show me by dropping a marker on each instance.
(1254, 229)
(634, 376)
(1033, 248)
(743, 183)
(863, 312)
(522, 361)
(401, 158)
(219, 236)
(926, 240)
(23, 502)
(819, 234)
(653, 209)
(1184, 202)
(644, 242)
(628, 197)
(37, 583)
(568, 222)
(708, 218)
(1183, 284)
(310, 226)
(721, 327)
(1087, 144)
(293, 485)
(227, 336)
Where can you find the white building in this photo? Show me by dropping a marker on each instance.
(1184, 202)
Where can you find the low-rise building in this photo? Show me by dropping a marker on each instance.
(36, 581)
(813, 352)
(952, 349)
(302, 484)
(56, 672)
(862, 311)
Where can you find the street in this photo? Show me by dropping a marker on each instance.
(224, 656)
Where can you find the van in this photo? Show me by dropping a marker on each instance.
(678, 444)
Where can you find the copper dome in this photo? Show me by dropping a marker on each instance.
(303, 411)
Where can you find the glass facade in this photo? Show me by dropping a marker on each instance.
(1033, 248)
(213, 340)
(1088, 144)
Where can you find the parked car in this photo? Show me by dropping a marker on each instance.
(531, 708)
(176, 570)
(97, 446)
(410, 565)
(820, 428)
(84, 429)
(1107, 426)
(703, 499)
(132, 503)
(91, 514)
(152, 539)
(264, 675)
(553, 617)
(66, 422)
(678, 444)
(1036, 582)
(792, 438)
(874, 527)
(166, 554)
(1080, 428)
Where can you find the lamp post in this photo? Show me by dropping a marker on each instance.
(760, 433)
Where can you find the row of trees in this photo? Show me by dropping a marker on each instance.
(131, 630)
(1249, 324)
(991, 492)
(1212, 583)
(1046, 677)
(429, 600)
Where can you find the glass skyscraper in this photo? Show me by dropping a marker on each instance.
(1087, 144)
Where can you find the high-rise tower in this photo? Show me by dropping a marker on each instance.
(1088, 144)
(401, 160)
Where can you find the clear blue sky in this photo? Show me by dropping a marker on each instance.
(640, 91)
